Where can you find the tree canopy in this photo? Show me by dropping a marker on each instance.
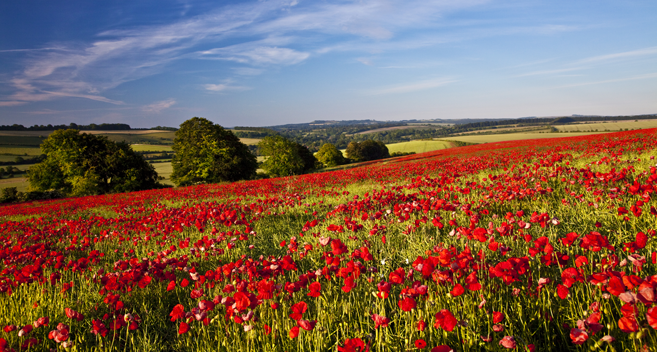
(367, 150)
(207, 153)
(330, 155)
(284, 157)
(79, 164)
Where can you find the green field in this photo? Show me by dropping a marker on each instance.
(151, 148)
(19, 151)
(20, 183)
(608, 126)
(417, 146)
(143, 138)
(164, 170)
(492, 138)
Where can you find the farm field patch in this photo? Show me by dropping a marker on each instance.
(504, 137)
(608, 126)
(151, 148)
(417, 146)
(538, 245)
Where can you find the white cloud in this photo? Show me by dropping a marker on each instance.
(550, 72)
(364, 61)
(633, 78)
(158, 106)
(411, 87)
(224, 87)
(623, 55)
(12, 103)
(256, 55)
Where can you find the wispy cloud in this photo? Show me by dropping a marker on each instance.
(550, 72)
(12, 103)
(364, 61)
(622, 55)
(411, 87)
(223, 87)
(158, 106)
(256, 55)
(633, 78)
(269, 34)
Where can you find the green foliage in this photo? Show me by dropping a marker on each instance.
(329, 155)
(8, 195)
(367, 150)
(284, 157)
(208, 153)
(83, 164)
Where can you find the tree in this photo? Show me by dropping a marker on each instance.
(309, 160)
(207, 153)
(329, 155)
(284, 157)
(367, 150)
(80, 164)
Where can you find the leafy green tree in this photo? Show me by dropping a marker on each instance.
(330, 155)
(367, 150)
(80, 164)
(207, 153)
(284, 157)
(309, 160)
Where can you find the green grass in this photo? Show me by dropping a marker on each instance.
(608, 126)
(149, 138)
(164, 170)
(11, 140)
(20, 183)
(19, 151)
(417, 146)
(492, 138)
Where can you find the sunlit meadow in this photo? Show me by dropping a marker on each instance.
(537, 245)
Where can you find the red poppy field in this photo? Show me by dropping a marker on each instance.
(538, 245)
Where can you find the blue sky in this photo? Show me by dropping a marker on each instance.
(259, 63)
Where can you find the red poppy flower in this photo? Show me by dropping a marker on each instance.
(442, 348)
(457, 290)
(407, 304)
(445, 320)
(177, 312)
(628, 325)
(498, 317)
(183, 328)
(298, 309)
(72, 314)
(380, 321)
(294, 332)
(421, 325)
(508, 342)
(315, 289)
(98, 327)
(306, 325)
(353, 345)
(171, 285)
(578, 336)
(651, 315)
(562, 291)
(420, 344)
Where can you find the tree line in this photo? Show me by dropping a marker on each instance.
(79, 164)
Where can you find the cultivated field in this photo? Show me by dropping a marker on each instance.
(503, 137)
(536, 245)
(608, 126)
(417, 146)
